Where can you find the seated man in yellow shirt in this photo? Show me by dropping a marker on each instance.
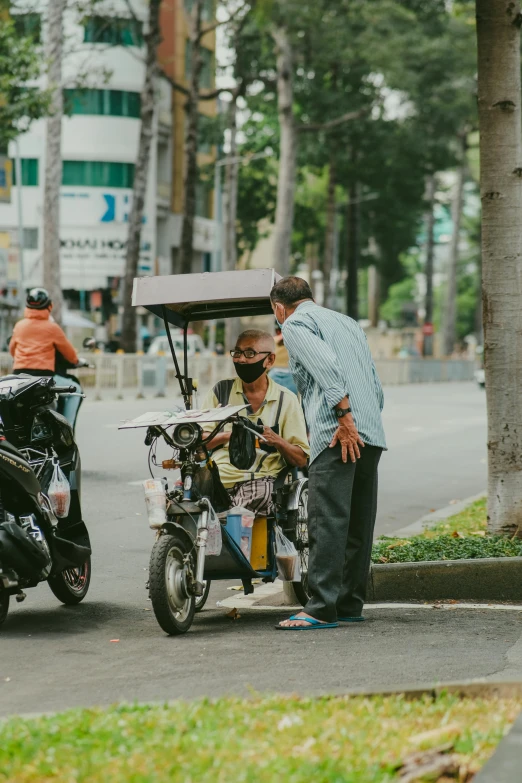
(271, 405)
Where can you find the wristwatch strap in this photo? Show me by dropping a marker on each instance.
(340, 412)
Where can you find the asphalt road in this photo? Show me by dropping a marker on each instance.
(55, 657)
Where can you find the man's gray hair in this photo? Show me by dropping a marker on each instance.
(259, 336)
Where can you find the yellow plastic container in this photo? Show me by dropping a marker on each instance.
(258, 555)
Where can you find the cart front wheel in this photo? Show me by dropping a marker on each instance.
(201, 600)
(173, 605)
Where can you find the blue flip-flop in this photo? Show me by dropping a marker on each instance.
(359, 619)
(314, 625)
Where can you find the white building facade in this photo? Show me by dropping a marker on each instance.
(103, 74)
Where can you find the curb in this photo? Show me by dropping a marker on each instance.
(481, 579)
(504, 764)
(436, 516)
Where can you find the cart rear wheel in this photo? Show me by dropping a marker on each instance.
(301, 544)
(173, 605)
(201, 600)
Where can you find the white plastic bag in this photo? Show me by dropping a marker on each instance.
(59, 492)
(214, 540)
(156, 502)
(287, 558)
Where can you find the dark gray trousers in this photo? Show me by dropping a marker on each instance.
(342, 507)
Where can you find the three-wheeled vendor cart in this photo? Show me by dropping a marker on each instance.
(181, 567)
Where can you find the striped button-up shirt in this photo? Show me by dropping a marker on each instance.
(330, 359)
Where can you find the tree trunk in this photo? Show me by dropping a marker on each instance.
(286, 180)
(427, 342)
(352, 265)
(53, 159)
(329, 239)
(373, 295)
(141, 171)
(191, 142)
(450, 316)
(232, 325)
(499, 97)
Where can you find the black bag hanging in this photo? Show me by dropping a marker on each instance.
(207, 484)
(242, 446)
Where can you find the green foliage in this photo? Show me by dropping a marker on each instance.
(263, 739)
(20, 104)
(445, 547)
(359, 55)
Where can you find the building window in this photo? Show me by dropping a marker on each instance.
(207, 11)
(113, 30)
(98, 174)
(30, 239)
(202, 200)
(28, 26)
(111, 103)
(206, 79)
(29, 168)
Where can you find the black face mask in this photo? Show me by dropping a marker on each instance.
(250, 372)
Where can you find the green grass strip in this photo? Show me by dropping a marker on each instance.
(266, 740)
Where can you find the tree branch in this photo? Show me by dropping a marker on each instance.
(326, 126)
(214, 25)
(173, 83)
(206, 96)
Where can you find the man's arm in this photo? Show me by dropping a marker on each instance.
(317, 358)
(62, 344)
(292, 443)
(293, 455)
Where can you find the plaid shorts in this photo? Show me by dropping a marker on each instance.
(256, 495)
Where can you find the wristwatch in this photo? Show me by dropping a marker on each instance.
(340, 412)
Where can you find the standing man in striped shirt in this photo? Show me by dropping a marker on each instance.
(343, 399)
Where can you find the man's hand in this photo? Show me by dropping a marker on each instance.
(349, 439)
(271, 438)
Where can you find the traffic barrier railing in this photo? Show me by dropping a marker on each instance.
(120, 375)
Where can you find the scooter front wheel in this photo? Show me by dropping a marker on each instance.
(173, 605)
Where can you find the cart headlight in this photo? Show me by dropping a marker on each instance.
(185, 435)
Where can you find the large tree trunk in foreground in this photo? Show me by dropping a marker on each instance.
(286, 180)
(141, 171)
(450, 314)
(431, 184)
(53, 159)
(329, 239)
(191, 142)
(499, 97)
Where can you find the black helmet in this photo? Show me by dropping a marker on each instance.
(38, 299)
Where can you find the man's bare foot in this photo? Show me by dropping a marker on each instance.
(297, 623)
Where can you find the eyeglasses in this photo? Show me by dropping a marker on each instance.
(248, 353)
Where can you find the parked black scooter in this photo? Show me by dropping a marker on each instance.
(36, 545)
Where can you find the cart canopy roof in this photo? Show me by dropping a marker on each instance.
(207, 295)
